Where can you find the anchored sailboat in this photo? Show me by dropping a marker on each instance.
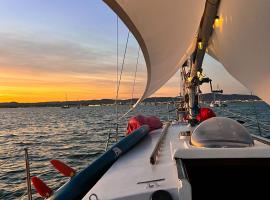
(66, 106)
(215, 102)
(199, 156)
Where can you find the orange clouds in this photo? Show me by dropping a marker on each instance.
(34, 69)
(39, 86)
(19, 86)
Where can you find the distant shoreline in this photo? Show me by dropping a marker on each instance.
(204, 97)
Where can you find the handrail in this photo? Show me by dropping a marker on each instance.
(245, 117)
(263, 126)
(261, 139)
(153, 157)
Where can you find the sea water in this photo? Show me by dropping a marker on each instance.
(78, 136)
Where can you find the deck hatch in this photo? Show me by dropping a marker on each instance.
(221, 132)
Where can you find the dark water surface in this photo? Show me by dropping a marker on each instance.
(77, 136)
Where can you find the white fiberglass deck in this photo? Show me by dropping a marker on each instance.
(132, 177)
(125, 178)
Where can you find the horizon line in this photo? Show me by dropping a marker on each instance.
(61, 101)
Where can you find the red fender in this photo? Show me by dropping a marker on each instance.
(139, 120)
(63, 168)
(41, 187)
(204, 114)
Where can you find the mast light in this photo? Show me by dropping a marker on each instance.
(217, 22)
(200, 45)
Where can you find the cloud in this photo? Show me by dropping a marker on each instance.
(33, 66)
(59, 64)
(53, 55)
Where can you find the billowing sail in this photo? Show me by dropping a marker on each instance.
(166, 31)
(242, 43)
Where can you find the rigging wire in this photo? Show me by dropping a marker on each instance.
(135, 75)
(122, 67)
(121, 72)
(134, 81)
(119, 78)
(23, 196)
(256, 116)
(131, 109)
(117, 72)
(245, 117)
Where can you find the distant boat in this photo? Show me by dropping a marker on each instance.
(66, 106)
(217, 103)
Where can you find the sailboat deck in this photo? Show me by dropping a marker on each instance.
(133, 177)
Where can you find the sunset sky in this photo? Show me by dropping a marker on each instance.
(56, 47)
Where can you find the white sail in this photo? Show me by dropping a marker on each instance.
(242, 43)
(166, 31)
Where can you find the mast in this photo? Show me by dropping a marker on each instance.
(204, 33)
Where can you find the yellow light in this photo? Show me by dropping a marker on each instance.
(189, 79)
(200, 45)
(217, 22)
